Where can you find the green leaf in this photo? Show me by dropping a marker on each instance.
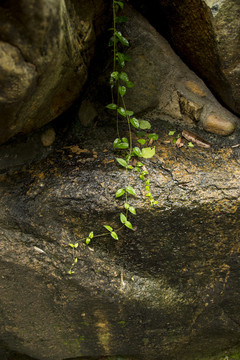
(122, 90)
(112, 106)
(129, 84)
(129, 167)
(148, 152)
(90, 235)
(111, 41)
(114, 235)
(147, 188)
(153, 136)
(132, 210)
(127, 206)
(121, 111)
(144, 124)
(88, 240)
(122, 58)
(190, 145)
(123, 76)
(119, 3)
(171, 133)
(122, 162)
(119, 193)
(129, 112)
(121, 19)
(144, 173)
(123, 218)
(75, 260)
(70, 272)
(121, 38)
(125, 140)
(137, 151)
(116, 142)
(72, 245)
(134, 122)
(109, 228)
(142, 177)
(128, 224)
(76, 245)
(141, 141)
(130, 190)
(115, 75)
(139, 164)
(122, 146)
(147, 182)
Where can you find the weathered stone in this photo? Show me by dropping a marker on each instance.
(218, 125)
(170, 287)
(45, 50)
(87, 113)
(164, 87)
(48, 137)
(207, 34)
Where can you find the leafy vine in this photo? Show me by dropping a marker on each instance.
(130, 155)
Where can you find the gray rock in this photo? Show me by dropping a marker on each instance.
(45, 51)
(169, 287)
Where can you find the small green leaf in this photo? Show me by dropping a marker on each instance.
(129, 84)
(134, 122)
(121, 19)
(125, 140)
(144, 124)
(114, 235)
(129, 167)
(121, 111)
(144, 173)
(123, 218)
(128, 224)
(91, 235)
(121, 38)
(141, 141)
(119, 193)
(153, 136)
(70, 272)
(147, 182)
(147, 188)
(132, 210)
(115, 75)
(122, 90)
(127, 206)
(119, 3)
(130, 190)
(142, 177)
(72, 245)
(123, 76)
(171, 133)
(137, 151)
(122, 162)
(111, 106)
(148, 152)
(75, 245)
(122, 146)
(139, 164)
(190, 145)
(109, 228)
(75, 260)
(88, 240)
(116, 142)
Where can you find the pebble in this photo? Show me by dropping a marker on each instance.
(48, 137)
(218, 125)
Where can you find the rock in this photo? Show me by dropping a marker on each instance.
(48, 137)
(164, 87)
(206, 34)
(170, 287)
(45, 51)
(218, 125)
(87, 113)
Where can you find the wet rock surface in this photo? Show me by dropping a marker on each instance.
(45, 52)
(169, 287)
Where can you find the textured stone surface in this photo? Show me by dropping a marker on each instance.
(45, 50)
(218, 125)
(169, 287)
(207, 35)
(164, 87)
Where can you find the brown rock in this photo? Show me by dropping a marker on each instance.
(48, 137)
(195, 88)
(218, 125)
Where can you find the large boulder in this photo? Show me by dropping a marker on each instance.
(171, 286)
(164, 87)
(207, 35)
(45, 51)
